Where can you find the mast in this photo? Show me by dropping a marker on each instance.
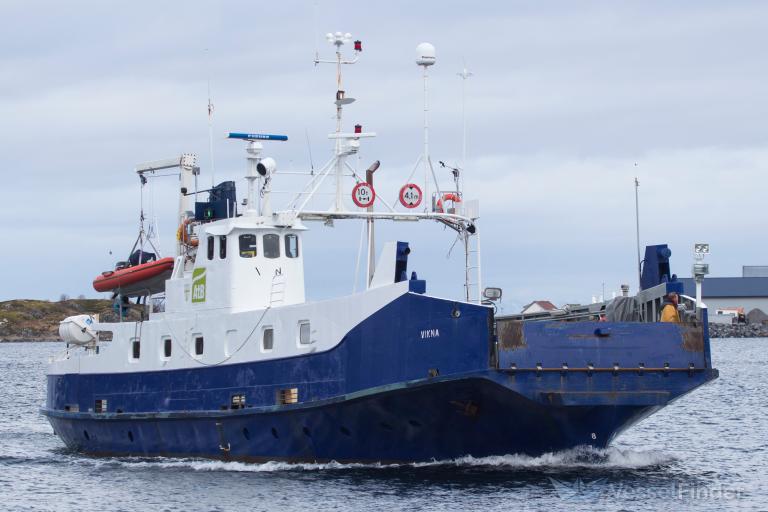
(369, 224)
(425, 57)
(637, 232)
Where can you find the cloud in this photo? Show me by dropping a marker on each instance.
(564, 101)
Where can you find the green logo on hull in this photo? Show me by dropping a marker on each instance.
(198, 285)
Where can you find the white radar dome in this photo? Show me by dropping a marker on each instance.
(425, 54)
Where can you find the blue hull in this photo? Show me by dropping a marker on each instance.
(421, 421)
(387, 394)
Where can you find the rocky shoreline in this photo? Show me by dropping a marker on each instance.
(38, 320)
(738, 331)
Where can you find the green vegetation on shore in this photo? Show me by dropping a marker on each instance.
(38, 320)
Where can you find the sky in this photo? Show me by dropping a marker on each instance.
(568, 103)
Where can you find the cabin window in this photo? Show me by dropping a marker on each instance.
(167, 348)
(271, 246)
(136, 349)
(248, 246)
(210, 247)
(222, 247)
(198, 345)
(292, 246)
(268, 339)
(304, 333)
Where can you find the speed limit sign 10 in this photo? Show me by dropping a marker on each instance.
(363, 195)
(410, 195)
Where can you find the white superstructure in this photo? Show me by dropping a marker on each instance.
(237, 290)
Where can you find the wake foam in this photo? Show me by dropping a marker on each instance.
(577, 458)
(581, 457)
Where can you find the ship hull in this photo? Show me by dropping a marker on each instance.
(437, 420)
(419, 379)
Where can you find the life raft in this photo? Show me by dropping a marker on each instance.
(147, 278)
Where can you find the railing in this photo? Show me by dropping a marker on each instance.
(648, 305)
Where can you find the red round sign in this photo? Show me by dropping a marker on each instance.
(410, 195)
(363, 195)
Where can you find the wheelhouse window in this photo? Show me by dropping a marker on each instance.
(209, 246)
(268, 339)
(247, 246)
(304, 333)
(271, 246)
(292, 246)
(167, 347)
(222, 247)
(199, 345)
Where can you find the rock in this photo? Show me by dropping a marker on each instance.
(738, 331)
(756, 316)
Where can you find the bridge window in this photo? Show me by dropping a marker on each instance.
(209, 247)
(268, 339)
(292, 246)
(222, 247)
(271, 246)
(248, 246)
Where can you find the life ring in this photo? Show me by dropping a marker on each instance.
(448, 196)
(182, 234)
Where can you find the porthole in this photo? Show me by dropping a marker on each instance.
(130, 435)
(274, 433)
(306, 432)
(85, 435)
(246, 433)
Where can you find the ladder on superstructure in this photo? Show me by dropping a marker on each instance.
(277, 290)
(472, 277)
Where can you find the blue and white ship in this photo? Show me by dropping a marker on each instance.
(238, 365)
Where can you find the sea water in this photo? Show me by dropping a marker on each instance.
(707, 451)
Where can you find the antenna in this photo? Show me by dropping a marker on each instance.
(210, 120)
(637, 231)
(314, 19)
(465, 73)
(309, 149)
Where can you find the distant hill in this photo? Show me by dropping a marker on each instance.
(38, 320)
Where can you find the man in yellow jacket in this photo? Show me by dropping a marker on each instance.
(669, 311)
